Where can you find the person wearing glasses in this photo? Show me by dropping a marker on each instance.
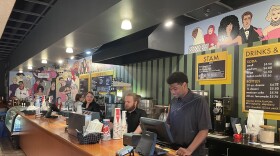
(90, 104)
(21, 91)
(189, 117)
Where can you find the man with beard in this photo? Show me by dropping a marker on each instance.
(133, 113)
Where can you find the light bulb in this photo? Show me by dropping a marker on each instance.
(126, 24)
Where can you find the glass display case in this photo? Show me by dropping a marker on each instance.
(13, 120)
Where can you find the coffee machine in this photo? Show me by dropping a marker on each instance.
(221, 111)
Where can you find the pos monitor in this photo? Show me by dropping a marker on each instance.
(159, 127)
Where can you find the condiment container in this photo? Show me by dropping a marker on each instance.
(267, 134)
(253, 137)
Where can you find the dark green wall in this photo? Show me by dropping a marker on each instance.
(149, 78)
(2, 79)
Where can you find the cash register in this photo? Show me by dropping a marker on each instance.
(154, 132)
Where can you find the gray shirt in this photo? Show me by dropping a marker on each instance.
(187, 116)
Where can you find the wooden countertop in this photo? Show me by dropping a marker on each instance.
(56, 127)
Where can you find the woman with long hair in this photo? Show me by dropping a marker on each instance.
(228, 32)
(52, 92)
(90, 103)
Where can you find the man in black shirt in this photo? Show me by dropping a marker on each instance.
(133, 114)
(189, 117)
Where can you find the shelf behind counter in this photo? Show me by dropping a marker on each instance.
(231, 147)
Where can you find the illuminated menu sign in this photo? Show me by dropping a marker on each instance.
(261, 78)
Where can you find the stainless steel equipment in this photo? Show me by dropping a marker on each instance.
(147, 104)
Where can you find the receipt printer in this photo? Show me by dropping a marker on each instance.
(131, 139)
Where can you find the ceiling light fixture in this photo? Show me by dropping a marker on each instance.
(126, 24)
(29, 67)
(44, 61)
(60, 61)
(168, 24)
(72, 57)
(69, 50)
(88, 52)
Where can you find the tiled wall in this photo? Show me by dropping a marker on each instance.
(149, 78)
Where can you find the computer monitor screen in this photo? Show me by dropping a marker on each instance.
(159, 127)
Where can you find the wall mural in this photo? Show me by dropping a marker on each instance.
(59, 83)
(257, 22)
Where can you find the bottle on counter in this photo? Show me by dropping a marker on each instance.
(124, 123)
(117, 128)
(106, 130)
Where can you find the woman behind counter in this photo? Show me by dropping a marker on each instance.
(90, 104)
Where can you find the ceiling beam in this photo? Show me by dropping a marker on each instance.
(38, 2)
(7, 46)
(6, 54)
(20, 21)
(5, 49)
(8, 42)
(13, 34)
(26, 12)
(224, 5)
(189, 16)
(7, 38)
(1, 51)
(16, 28)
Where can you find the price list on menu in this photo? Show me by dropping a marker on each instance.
(262, 80)
(212, 70)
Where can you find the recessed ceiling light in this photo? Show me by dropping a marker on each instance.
(72, 57)
(60, 61)
(126, 24)
(69, 50)
(88, 52)
(29, 67)
(168, 23)
(44, 61)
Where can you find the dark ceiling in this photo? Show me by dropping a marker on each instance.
(28, 14)
(25, 15)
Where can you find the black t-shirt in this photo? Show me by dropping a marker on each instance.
(93, 106)
(133, 119)
(187, 116)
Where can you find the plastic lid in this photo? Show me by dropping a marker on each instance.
(267, 127)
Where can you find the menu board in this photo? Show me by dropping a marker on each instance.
(213, 68)
(84, 84)
(261, 78)
(101, 83)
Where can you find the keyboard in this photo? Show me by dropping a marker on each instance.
(160, 151)
(168, 145)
